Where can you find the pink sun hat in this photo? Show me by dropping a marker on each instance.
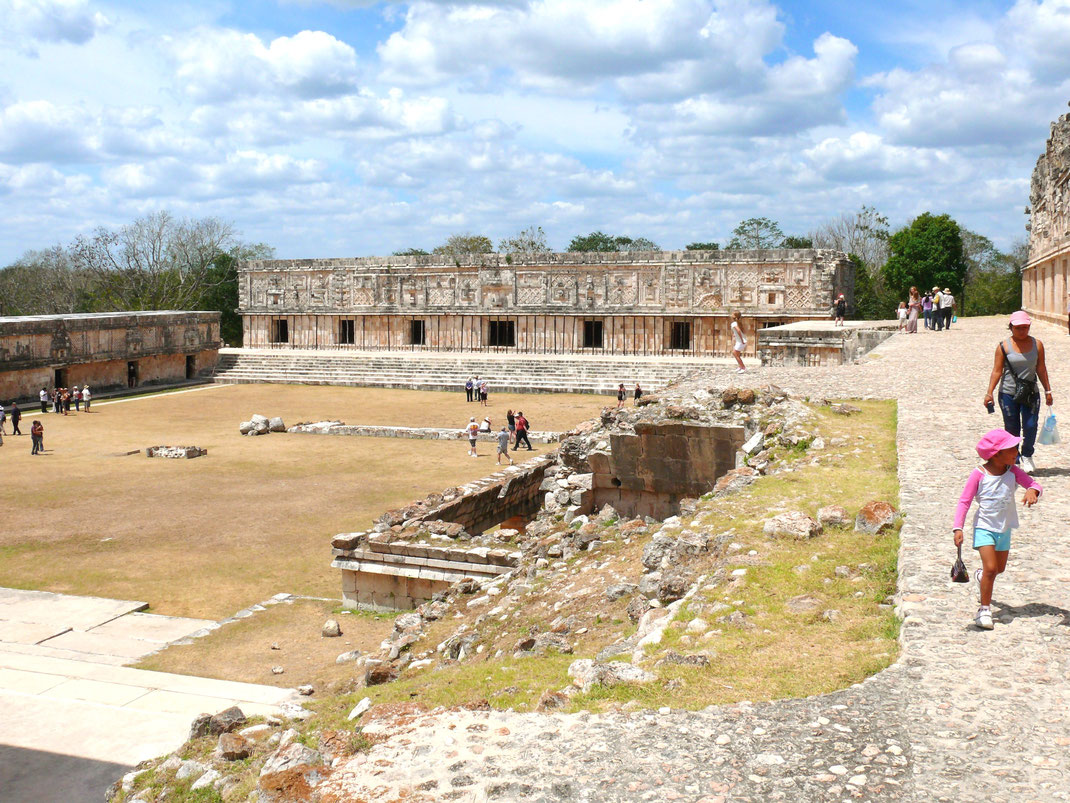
(996, 440)
(1021, 318)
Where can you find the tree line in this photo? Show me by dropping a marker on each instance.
(162, 262)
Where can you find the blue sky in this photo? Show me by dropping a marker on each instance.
(349, 128)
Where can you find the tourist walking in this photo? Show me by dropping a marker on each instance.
(469, 386)
(510, 419)
(638, 394)
(86, 396)
(927, 309)
(1019, 364)
(947, 307)
(621, 395)
(57, 401)
(902, 316)
(521, 431)
(914, 306)
(993, 485)
(503, 446)
(16, 416)
(938, 314)
(472, 431)
(37, 437)
(44, 400)
(840, 308)
(66, 401)
(3, 418)
(483, 392)
(739, 342)
(77, 394)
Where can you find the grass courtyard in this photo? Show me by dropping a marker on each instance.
(209, 536)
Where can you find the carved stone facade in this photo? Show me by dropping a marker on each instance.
(102, 350)
(1044, 279)
(622, 303)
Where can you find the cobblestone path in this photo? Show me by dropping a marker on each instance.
(964, 715)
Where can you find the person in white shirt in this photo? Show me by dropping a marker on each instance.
(86, 396)
(473, 433)
(44, 400)
(739, 342)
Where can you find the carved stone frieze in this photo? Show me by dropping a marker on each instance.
(1049, 193)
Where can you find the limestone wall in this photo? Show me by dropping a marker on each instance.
(637, 301)
(820, 344)
(1044, 279)
(96, 349)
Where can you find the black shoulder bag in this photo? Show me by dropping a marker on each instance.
(1025, 390)
(958, 570)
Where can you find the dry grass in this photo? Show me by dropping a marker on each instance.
(209, 536)
(243, 651)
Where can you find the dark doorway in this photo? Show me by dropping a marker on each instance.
(191, 366)
(681, 336)
(59, 380)
(592, 334)
(501, 333)
(347, 333)
(280, 331)
(419, 333)
(131, 374)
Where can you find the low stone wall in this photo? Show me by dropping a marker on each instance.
(384, 575)
(820, 343)
(418, 433)
(648, 473)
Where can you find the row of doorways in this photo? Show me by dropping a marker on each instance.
(133, 373)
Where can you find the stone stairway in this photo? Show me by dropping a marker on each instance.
(512, 373)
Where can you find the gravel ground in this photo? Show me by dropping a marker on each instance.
(965, 715)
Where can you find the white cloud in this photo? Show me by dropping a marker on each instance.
(28, 23)
(220, 65)
(864, 156)
(1040, 33)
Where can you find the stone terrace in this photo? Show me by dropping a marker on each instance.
(963, 715)
(505, 373)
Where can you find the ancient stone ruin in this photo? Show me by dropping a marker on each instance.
(1045, 278)
(175, 452)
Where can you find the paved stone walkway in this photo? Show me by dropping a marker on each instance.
(964, 715)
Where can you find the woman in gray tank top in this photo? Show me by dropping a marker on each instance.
(1020, 360)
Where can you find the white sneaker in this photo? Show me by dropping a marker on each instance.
(977, 576)
(741, 370)
(1026, 464)
(984, 619)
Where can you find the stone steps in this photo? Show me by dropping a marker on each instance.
(505, 373)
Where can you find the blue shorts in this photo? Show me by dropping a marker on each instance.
(1001, 541)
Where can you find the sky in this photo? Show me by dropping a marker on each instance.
(340, 128)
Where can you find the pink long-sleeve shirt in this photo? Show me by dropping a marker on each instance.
(996, 510)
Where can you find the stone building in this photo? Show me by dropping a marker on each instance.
(104, 350)
(639, 303)
(1044, 280)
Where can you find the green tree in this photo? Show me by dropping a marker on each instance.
(797, 242)
(531, 240)
(756, 233)
(412, 252)
(710, 246)
(466, 244)
(926, 253)
(873, 301)
(600, 241)
(993, 278)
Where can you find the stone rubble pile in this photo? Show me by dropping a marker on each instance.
(261, 425)
(175, 452)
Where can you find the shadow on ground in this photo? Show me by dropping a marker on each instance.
(52, 778)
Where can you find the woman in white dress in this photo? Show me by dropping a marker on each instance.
(739, 342)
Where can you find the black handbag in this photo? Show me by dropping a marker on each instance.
(1025, 391)
(958, 570)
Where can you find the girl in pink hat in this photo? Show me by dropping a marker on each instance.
(993, 486)
(1019, 366)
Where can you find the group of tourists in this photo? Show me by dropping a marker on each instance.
(936, 307)
(60, 399)
(1018, 367)
(475, 390)
(514, 430)
(37, 430)
(622, 394)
